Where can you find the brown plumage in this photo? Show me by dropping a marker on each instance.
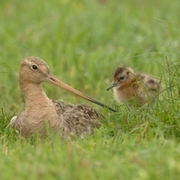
(130, 85)
(41, 112)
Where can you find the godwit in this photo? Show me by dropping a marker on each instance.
(40, 111)
(130, 85)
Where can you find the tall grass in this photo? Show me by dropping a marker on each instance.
(83, 42)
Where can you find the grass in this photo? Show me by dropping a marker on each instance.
(83, 42)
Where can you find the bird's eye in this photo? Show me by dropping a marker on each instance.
(121, 78)
(34, 67)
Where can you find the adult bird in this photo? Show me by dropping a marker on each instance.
(41, 112)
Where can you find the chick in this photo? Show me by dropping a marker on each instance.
(130, 85)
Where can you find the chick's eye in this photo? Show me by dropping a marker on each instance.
(121, 78)
(34, 67)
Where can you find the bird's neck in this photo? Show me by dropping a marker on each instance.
(33, 94)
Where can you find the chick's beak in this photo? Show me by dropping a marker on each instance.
(114, 84)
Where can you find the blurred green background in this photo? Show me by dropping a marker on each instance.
(83, 41)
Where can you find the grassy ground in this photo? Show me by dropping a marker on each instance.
(83, 42)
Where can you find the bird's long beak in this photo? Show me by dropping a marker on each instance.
(55, 81)
(111, 86)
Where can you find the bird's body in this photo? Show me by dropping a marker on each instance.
(41, 112)
(129, 85)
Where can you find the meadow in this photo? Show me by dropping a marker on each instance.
(83, 42)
